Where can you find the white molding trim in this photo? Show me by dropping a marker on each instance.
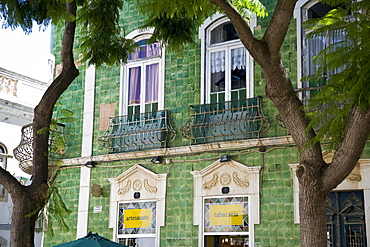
(87, 140)
(240, 178)
(151, 186)
(184, 150)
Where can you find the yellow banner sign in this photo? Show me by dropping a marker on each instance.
(137, 218)
(226, 215)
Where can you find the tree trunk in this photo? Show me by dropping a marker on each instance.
(23, 225)
(312, 205)
(29, 200)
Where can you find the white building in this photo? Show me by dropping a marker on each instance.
(18, 96)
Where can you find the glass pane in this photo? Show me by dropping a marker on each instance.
(151, 83)
(223, 33)
(226, 214)
(238, 68)
(145, 50)
(226, 240)
(218, 71)
(137, 242)
(137, 218)
(134, 85)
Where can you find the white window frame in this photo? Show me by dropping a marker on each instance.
(122, 189)
(136, 36)
(229, 233)
(154, 235)
(250, 173)
(206, 48)
(301, 5)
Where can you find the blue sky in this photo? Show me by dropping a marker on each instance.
(26, 54)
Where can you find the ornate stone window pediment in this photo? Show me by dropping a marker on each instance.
(137, 181)
(239, 178)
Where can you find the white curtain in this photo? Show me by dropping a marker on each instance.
(238, 60)
(217, 61)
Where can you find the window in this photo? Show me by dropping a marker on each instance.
(226, 204)
(310, 47)
(3, 165)
(137, 207)
(137, 223)
(227, 65)
(226, 221)
(143, 78)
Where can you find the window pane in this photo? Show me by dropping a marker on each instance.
(226, 214)
(137, 242)
(145, 50)
(238, 68)
(218, 71)
(137, 218)
(226, 240)
(134, 86)
(223, 33)
(151, 83)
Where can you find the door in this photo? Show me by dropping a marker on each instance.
(345, 219)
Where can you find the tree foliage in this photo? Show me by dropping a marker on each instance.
(176, 22)
(345, 65)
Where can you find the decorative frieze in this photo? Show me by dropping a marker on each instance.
(8, 86)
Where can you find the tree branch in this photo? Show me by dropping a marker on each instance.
(241, 26)
(278, 27)
(10, 183)
(350, 148)
(44, 110)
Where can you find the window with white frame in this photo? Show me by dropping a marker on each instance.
(137, 207)
(226, 221)
(143, 78)
(227, 65)
(137, 223)
(311, 47)
(3, 157)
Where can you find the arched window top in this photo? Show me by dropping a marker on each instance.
(145, 50)
(223, 32)
(2, 149)
(318, 10)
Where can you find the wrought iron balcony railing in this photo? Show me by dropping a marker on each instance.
(138, 132)
(225, 121)
(24, 151)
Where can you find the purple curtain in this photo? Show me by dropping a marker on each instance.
(146, 51)
(151, 83)
(134, 85)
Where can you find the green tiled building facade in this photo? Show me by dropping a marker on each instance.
(190, 109)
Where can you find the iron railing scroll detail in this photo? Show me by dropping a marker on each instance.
(226, 121)
(142, 131)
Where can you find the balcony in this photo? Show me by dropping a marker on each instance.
(225, 121)
(138, 132)
(24, 151)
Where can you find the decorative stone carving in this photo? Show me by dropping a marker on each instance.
(9, 86)
(148, 187)
(211, 183)
(125, 189)
(137, 185)
(354, 177)
(225, 179)
(239, 181)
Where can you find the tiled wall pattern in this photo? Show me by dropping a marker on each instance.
(182, 88)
